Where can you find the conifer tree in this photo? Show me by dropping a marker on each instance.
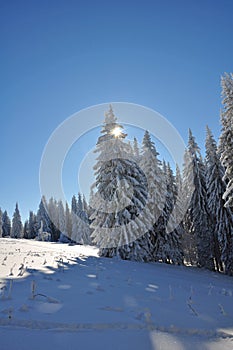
(26, 230)
(215, 189)
(6, 225)
(43, 219)
(151, 166)
(120, 197)
(68, 222)
(197, 219)
(32, 225)
(17, 226)
(172, 250)
(61, 217)
(226, 138)
(189, 241)
(136, 150)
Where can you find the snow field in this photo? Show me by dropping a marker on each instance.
(66, 296)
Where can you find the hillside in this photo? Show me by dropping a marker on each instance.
(55, 295)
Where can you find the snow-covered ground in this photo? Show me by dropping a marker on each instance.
(66, 297)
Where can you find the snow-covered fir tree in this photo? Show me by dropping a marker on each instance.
(61, 217)
(68, 222)
(120, 217)
(6, 224)
(17, 226)
(189, 240)
(172, 250)
(136, 150)
(151, 166)
(86, 234)
(32, 225)
(226, 138)
(215, 189)
(80, 222)
(26, 230)
(76, 234)
(43, 219)
(197, 218)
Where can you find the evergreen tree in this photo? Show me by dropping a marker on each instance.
(172, 249)
(32, 225)
(6, 225)
(151, 166)
(61, 217)
(74, 205)
(76, 235)
(85, 205)
(68, 222)
(197, 217)
(26, 230)
(86, 235)
(80, 222)
(189, 239)
(226, 138)
(54, 220)
(79, 205)
(120, 200)
(136, 150)
(215, 189)
(17, 226)
(43, 219)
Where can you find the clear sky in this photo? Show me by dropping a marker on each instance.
(57, 57)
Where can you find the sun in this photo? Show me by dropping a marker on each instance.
(116, 132)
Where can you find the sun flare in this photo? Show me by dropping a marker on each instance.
(116, 131)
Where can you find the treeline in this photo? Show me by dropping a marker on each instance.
(52, 222)
(169, 218)
(140, 209)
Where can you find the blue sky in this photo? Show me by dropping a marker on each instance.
(58, 57)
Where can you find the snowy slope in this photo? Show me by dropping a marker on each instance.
(55, 295)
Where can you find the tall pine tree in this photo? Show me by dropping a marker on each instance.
(120, 198)
(17, 226)
(226, 138)
(215, 185)
(197, 218)
(6, 225)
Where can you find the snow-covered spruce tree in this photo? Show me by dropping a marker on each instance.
(197, 218)
(86, 234)
(32, 225)
(17, 226)
(136, 150)
(65, 224)
(151, 166)
(226, 138)
(43, 219)
(119, 217)
(189, 239)
(54, 219)
(76, 235)
(172, 249)
(26, 230)
(61, 217)
(1, 223)
(68, 221)
(80, 222)
(6, 225)
(220, 217)
(226, 152)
